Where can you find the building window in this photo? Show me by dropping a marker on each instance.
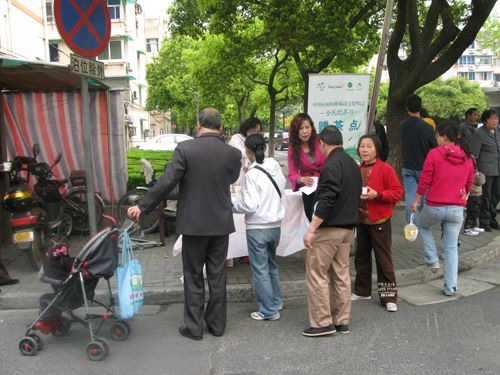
(49, 10)
(467, 60)
(483, 76)
(485, 60)
(132, 131)
(152, 45)
(472, 76)
(496, 77)
(467, 75)
(54, 52)
(112, 52)
(114, 9)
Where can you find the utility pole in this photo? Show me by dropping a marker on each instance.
(380, 63)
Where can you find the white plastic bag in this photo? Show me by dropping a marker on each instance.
(411, 230)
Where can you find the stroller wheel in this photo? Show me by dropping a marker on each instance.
(38, 339)
(119, 331)
(63, 329)
(105, 343)
(27, 346)
(96, 351)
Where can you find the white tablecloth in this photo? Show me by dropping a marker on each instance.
(293, 228)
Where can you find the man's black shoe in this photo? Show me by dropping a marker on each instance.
(9, 282)
(342, 328)
(318, 331)
(216, 334)
(486, 228)
(185, 332)
(495, 225)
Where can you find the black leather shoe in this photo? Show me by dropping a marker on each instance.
(495, 225)
(213, 333)
(486, 228)
(185, 332)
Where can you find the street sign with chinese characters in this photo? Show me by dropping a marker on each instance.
(86, 67)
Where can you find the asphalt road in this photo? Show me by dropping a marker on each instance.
(456, 337)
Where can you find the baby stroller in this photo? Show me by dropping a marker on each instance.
(74, 280)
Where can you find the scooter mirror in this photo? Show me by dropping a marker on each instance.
(36, 150)
(58, 159)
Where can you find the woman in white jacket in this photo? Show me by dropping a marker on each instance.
(263, 186)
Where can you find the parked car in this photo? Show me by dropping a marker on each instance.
(164, 142)
(281, 141)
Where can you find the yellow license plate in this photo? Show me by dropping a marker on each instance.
(23, 237)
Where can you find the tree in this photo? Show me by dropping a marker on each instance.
(437, 37)
(317, 35)
(489, 36)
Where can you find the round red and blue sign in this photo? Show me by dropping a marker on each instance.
(84, 25)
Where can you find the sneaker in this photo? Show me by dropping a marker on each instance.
(319, 331)
(355, 297)
(471, 232)
(280, 307)
(342, 328)
(485, 228)
(257, 315)
(391, 307)
(434, 267)
(477, 229)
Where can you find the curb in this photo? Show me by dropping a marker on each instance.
(291, 289)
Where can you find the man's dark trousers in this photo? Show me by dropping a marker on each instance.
(197, 251)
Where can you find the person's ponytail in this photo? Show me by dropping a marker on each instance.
(257, 144)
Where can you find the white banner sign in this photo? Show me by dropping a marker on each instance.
(340, 100)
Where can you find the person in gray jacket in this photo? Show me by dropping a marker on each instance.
(485, 146)
(204, 167)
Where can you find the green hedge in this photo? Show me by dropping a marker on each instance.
(158, 159)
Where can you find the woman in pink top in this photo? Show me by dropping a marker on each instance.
(446, 179)
(305, 159)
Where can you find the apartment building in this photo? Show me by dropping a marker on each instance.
(125, 57)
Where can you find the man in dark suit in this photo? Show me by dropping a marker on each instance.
(204, 167)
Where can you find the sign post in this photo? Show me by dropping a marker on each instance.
(85, 26)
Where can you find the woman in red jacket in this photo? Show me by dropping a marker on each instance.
(381, 191)
(305, 159)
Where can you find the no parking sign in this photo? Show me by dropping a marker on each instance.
(84, 25)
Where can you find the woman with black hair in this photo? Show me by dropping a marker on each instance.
(381, 191)
(446, 180)
(248, 127)
(263, 187)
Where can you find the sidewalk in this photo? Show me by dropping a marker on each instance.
(162, 271)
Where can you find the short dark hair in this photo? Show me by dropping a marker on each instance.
(487, 113)
(257, 144)
(210, 118)
(470, 111)
(376, 142)
(413, 103)
(331, 136)
(248, 124)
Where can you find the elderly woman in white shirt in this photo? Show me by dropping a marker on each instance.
(250, 126)
(263, 187)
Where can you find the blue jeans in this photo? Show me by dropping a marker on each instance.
(410, 181)
(451, 218)
(262, 244)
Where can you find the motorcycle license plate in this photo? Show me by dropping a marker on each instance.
(20, 237)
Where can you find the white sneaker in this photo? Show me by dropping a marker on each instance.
(471, 232)
(355, 297)
(391, 307)
(434, 267)
(477, 229)
(257, 315)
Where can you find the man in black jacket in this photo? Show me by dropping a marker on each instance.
(204, 167)
(329, 236)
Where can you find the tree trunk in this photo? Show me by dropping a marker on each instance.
(272, 122)
(305, 77)
(396, 112)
